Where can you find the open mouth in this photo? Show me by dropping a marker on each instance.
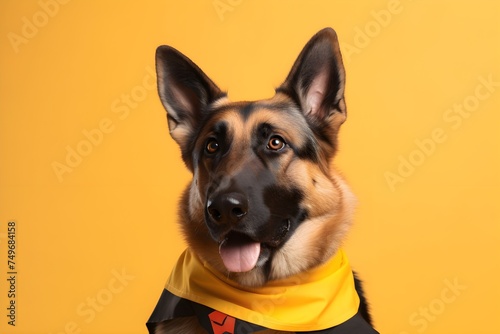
(240, 253)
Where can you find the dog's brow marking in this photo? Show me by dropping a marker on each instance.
(247, 110)
(294, 131)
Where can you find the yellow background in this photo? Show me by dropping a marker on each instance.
(87, 66)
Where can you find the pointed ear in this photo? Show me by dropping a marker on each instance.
(317, 79)
(185, 92)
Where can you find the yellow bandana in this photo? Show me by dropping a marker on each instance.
(318, 299)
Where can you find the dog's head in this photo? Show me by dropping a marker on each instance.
(263, 203)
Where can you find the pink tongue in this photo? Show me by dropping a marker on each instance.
(239, 258)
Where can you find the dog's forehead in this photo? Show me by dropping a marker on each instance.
(243, 119)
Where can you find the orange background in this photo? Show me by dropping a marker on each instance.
(96, 239)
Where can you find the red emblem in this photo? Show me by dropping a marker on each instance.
(222, 323)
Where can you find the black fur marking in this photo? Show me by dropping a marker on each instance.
(188, 147)
(221, 133)
(247, 110)
(262, 133)
(364, 308)
(283, 202)
(292, 94)
(220, 128)
(308, 151)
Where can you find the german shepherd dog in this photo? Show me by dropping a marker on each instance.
(263, 204)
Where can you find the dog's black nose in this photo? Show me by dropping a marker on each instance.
(227, 208)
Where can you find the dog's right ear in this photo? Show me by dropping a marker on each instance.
(185, 92)
(316, 82)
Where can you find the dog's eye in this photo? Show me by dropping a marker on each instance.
(276, 143)
(212, 146)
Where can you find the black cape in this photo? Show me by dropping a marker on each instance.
(171, 306)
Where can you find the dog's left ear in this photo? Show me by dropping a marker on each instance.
(186, 92)
(317, 79)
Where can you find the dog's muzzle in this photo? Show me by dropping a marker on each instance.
(244, 243)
